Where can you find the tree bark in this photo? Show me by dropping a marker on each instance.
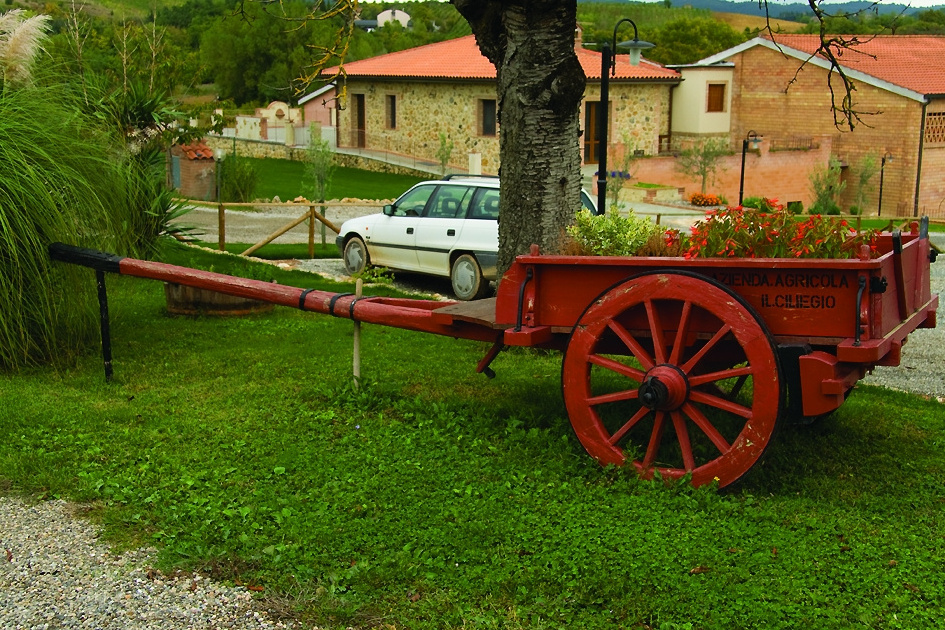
(539, 89)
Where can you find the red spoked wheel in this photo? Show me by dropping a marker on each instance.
(675, 373)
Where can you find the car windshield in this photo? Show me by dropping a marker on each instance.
(413, 202)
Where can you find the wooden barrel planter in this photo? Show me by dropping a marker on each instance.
(184, 300)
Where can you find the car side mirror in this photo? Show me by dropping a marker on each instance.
(389, 210)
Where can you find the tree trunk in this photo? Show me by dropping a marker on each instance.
(539, 90)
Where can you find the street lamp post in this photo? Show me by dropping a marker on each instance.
(750, 137)
(608, 65)
(218, 156)
(887, 157)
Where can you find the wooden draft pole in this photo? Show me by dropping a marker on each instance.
(356, 359)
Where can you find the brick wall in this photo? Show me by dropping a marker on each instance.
(765, 100)
(781, 175)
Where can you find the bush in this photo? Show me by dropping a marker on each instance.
(795, 207)
(826, 206)
(760, 203)
(700, 199)
(238, 180)
(609, 234)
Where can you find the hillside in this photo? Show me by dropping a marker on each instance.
(741, 21)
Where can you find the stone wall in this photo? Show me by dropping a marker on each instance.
(423, 112)
(639, 113)
(273, 150)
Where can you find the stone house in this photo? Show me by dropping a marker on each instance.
(779, 90)
(403, 101)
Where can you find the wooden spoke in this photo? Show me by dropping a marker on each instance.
(691, 363)
(702, 379)
(617, 366)
(627, 394)
(656, 437)
(656, 332)
(682, 434)
(639, 415)
(710, 431)
(633, 345)
(681, 330)
(721, 403)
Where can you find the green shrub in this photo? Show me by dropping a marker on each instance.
(795, 207)
(610, 234)
(238, 180)
(760, 203)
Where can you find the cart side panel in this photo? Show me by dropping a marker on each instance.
(907, 285)
(796, 298)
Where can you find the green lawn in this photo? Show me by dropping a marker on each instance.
(435, 498)
(286, 179)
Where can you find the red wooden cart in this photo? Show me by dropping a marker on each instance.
(675, 366)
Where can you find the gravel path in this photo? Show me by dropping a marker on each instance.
(55, 574)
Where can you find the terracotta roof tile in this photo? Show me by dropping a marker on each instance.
(197, 151)
(460, 59)
(914, 62)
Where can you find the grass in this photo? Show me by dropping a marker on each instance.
(287, 180)
(434, 498)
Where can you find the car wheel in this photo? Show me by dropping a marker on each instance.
(356, 257)
(467, 280)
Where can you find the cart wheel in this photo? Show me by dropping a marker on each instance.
(356, 257)
(467, 280)
(675, 373)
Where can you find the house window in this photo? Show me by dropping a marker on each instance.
(390, 111)
(487, 117)
(716, 98)
(935, 127)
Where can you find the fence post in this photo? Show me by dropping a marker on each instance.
(324, 214)
(221, 227)
(311, 232)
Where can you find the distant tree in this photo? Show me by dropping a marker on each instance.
(701, 160)
(826, 186)
(319, 164)
(685, 40)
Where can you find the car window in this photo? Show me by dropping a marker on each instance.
(486, 205)
(412, 203)
(450, 202)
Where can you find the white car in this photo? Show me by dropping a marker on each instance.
(443, 228)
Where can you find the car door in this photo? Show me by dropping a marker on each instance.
(439, 230)
(393, 240)
(481, 230)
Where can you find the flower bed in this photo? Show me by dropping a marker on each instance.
(732, 232)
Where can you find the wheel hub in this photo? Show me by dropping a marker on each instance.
(664, 388)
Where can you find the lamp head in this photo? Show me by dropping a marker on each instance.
(635, 48)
